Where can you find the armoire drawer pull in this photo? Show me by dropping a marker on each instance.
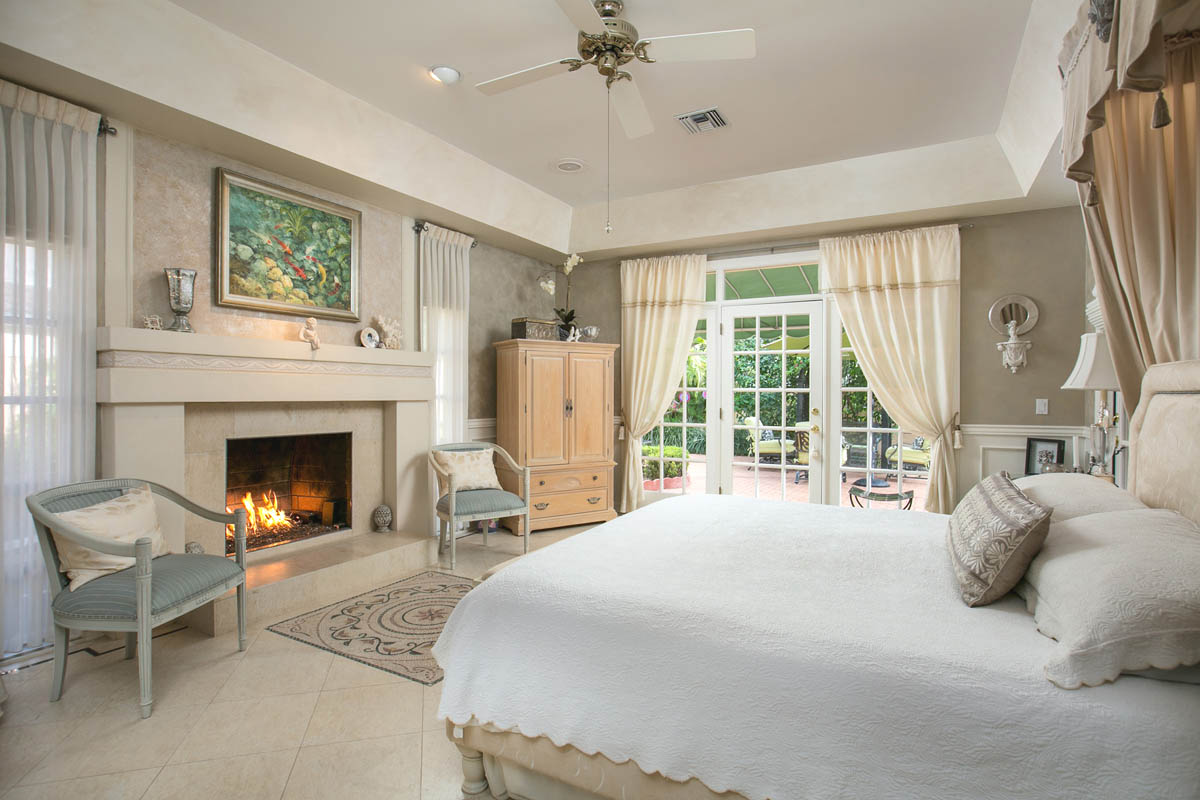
(544, 506)
(595, 477)
(541, 483)
(593, 500)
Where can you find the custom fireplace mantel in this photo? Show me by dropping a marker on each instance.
(145, 378)
(134, 365)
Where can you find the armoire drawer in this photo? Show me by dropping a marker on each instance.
(564, 503)
(568, 481)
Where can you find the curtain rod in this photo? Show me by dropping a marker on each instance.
(420, 224)
(777, 248)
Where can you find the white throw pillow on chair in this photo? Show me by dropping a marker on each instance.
(123, 519)
(472, 469)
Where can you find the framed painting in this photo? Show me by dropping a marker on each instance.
(284, 251)
(1043, 451)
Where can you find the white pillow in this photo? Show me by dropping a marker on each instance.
(123, 519)
(472, 469)
(1119, 592)
(1073, 494)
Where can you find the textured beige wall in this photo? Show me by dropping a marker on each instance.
(174, 223)
(1040, 254)
(503, 286)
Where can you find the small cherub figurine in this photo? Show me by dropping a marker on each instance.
(309, 333)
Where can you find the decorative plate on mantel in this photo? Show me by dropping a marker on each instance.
(369, 337)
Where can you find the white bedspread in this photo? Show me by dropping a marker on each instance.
(799, 651)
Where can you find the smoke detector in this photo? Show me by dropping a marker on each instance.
(703, 121)
(569, 165)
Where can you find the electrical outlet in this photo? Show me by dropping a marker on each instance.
(1041, 406)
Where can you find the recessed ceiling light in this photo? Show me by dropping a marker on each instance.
(444, 74)
(569, 165)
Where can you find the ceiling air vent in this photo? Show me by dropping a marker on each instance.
(703, 121)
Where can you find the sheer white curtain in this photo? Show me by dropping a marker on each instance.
(445, 308)
(661, 299)
(48, 299)
(898, 295)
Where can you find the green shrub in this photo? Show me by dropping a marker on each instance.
(651, 465)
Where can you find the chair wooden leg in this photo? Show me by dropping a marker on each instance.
(453, 543)
(526, 537)
(441, 536)
(241, 612)
(144, 644)
(130, 645)
(60, 662)
(487, 525)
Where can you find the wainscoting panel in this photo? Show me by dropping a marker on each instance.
(990, 448)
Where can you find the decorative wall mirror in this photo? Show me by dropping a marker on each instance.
(1013, 308)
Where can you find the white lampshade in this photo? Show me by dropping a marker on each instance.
(1094, 366)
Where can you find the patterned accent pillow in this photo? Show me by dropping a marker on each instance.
(472, 469)
(123, 519)
(993, 535)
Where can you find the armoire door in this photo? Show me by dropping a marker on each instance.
(546, 390)
(588, 396)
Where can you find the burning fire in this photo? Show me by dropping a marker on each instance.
(261, 517)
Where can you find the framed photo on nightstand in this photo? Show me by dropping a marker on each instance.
(1043, 451)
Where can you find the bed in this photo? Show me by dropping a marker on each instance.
(715, 646)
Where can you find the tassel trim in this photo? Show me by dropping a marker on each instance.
(1162, 114)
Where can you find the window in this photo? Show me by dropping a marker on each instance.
(755, 282)
(674, 452)
(882, 467)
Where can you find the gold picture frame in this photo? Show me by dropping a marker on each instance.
(284, 251)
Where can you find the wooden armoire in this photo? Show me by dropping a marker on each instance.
(554, 414)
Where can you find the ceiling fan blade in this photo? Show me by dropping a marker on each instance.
(515, 79)
(713, 46)
(583, 15)
(631, 109)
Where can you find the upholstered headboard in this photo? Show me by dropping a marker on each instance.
(1164, 436)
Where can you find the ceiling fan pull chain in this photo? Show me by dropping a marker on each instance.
(608, 161)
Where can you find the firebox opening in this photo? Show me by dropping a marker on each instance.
(292, 487)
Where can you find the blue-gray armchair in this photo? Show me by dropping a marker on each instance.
(135, 600)
(455, 505)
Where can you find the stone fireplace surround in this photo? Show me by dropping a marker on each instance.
(169, 401)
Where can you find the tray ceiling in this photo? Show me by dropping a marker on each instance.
(831, 81)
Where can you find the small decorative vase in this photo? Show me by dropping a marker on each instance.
(181, 284)
(382, 517)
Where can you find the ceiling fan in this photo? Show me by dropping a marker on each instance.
(608, 42)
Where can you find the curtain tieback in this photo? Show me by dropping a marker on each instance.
(954, 431)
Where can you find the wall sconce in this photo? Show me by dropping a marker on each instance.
(1013, 315)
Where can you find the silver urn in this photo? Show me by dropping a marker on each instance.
(181, 285)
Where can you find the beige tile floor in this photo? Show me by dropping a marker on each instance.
(281, 720)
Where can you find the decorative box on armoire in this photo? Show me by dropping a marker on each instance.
(554, 414)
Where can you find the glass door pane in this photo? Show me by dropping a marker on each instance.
(771, 424)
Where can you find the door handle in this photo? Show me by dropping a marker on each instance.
(593, 500)
(816, 429)
(815, 412)
(570, 407)
(541, 506)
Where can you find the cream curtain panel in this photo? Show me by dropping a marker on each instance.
(1142, 232)
(445, 312)
(661, 299)
(898, 295)
(47, 363)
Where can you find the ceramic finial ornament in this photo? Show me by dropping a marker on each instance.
(309, 333)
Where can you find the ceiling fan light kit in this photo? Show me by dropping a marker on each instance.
(608, 42)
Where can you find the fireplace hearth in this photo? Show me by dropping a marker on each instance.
(292, 487)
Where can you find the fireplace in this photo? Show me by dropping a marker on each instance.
(292, 487)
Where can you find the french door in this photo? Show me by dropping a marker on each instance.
(773, 375)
